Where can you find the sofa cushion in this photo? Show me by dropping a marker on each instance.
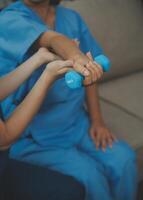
(118, 26)
(126, 93)
(126, 127)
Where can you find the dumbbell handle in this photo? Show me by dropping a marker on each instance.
(74, 79)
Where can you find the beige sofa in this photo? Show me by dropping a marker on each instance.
(118, 26)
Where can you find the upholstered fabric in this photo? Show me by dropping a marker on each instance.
(126, 127)
(118, 26)
(126, 92)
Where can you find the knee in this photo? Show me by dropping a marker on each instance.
(124, 152)
(123, 155)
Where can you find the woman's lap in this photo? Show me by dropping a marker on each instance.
(84, 163)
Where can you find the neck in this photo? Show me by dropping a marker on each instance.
(40, 8)
(44, 10)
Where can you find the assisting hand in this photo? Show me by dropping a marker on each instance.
(45, 56)
(57, 68)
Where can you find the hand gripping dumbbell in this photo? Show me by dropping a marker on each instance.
(74, 79)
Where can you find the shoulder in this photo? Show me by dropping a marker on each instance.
(17, 16)
(14, 11)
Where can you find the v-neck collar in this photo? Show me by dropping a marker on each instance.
(36, 16)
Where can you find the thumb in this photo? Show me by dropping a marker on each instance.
(64, 70)
(67, 63)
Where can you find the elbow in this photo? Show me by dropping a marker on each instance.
(4, 148)
(47, 38)
(4, 144)
(5, 140)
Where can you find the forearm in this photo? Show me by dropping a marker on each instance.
(61, 45)
(21, 117)
(93, 104)
(13, 80)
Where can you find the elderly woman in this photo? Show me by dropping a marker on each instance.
(63, 136)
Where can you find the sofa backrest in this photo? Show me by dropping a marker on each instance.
(118, 26)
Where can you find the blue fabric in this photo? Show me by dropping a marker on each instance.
(19, 28)
(110, 175)
(59, 128)
(25, 26)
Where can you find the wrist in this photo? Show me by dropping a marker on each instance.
(77, 56)
(97, 122)
(48, 78)
(41, 58)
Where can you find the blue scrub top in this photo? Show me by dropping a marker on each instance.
(62, 118)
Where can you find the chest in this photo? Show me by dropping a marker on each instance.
(63, 22)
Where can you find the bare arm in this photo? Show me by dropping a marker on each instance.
(17, 122)
(62, 45)
(13, 80)
(93, 104)
(66, 48)
(12, 129)
(99, 132)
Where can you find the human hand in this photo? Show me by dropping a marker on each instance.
(102, 136)
(57, 68)
(86, 66)
(45, 56)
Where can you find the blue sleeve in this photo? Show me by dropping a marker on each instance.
(17, 34)
(87, 41)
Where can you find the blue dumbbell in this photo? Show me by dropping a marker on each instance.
(74, 79)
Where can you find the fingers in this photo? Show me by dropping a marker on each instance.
(89, 69)
(67, 63)
(61, 64)
(81, 69)
(114, 138)
(64, 70)
(92, 72)
(103, 143)
(95, 71)
(64, 66)
(56, 57)
(110, 142)
(102, 140)
(96, 139)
